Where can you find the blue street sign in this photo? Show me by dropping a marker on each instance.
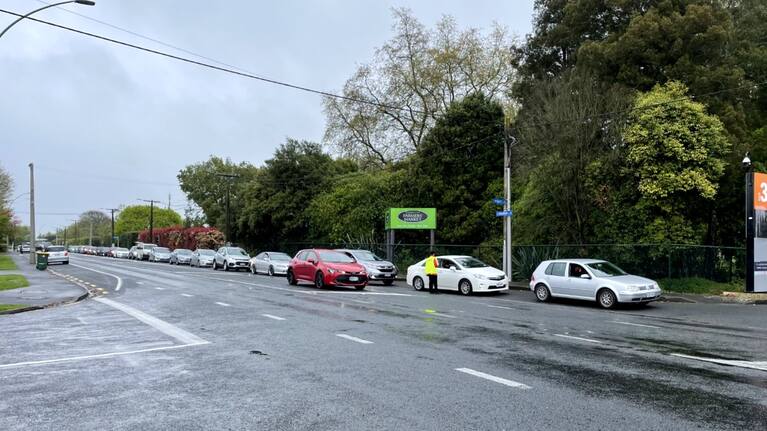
(503, 213)
(499, 201)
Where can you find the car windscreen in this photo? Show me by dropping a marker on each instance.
(605, 269)
(279, 256)
(161, 250)
(121, 249)
(206, 252)
(335, 257)
(237, 250)
(56, 248)
(183, 251)
(366, 255)
(470, 262)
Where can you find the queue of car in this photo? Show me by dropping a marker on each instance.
(585, 279)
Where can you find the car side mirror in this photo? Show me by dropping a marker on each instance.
(453, 268)
(585, 276)
(312, 261)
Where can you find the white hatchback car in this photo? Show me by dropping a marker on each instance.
(593, 280)
(465, 274)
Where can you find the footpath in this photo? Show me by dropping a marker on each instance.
(44, 289)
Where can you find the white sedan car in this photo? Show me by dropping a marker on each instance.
(465, 274)
(593, 280)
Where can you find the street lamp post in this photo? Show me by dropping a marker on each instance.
(82, 2)
(750, 231)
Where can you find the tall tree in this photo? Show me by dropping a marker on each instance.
(414, 78)
(135, 218)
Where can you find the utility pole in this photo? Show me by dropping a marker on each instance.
(229, 178)
(90, 236)
(112, 210)
(65, 236)
(77, 236)
(151, 217)
(32, 254)
(508, 142)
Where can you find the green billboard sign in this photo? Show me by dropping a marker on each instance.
(411, 218)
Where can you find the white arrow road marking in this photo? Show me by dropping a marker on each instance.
(578, 338)
(355, 339)
(103, 355)
(273, 317)
(755, 365)
(492, 378)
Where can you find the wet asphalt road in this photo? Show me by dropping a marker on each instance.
(188, 348)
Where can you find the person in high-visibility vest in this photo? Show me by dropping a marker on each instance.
(431, 271)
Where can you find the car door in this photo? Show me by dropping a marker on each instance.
(310, 268)
(576, 284)
(219, 257)
(262, 262)
(556, 275)
(448, 278)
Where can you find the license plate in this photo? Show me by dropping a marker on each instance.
(354, 278)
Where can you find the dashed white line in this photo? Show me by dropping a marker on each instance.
(502, 307)
(103, 355)
(223, 304)
(119, 280)
(636, 324)
(578, 338)
(355, 339)
(160, 288)
(729, 362)
(492, 378)
(187, 295)
(273, 317)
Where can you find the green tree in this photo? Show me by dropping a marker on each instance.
(135, 218)
(6, 215)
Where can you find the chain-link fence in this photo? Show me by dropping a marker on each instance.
(655, 261)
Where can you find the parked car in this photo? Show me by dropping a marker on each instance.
(120, 252)
(57, 254)
(142, 250)
(593, 280)
(159, 254)
(231, 258)
(326, 268)
(270, 262)
(133, 252)
(24, 248)
(202, 257)
(465, 274)
(377, 269)
(180, 256)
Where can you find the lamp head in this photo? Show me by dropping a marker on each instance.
(746, 163)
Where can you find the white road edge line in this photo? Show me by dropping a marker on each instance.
(224, 304)
(355, 339)
(492, 378)
(273, 317)
(187, 295)
(762, 366)
(578, 338)
(103, 355)
(636, 324)
(501, 307)
(119, 280)
(161, 325)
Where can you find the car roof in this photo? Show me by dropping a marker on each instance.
(578, 260)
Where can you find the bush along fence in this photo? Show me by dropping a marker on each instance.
(180, 237)
(657, 261)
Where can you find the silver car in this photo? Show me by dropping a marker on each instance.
(270, 262)
(143, 250)
(181, 256)
(57, 254)
(120, 253)
(231, 258)
(377, 268)
(202, 257)
(159, 254)
(593, 280)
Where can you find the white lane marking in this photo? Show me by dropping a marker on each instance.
(636, 324)
(139, 282)
(578, 338)
(442, 315)
(119, 280)
(160, 288)
(355, 339)
(306, 292)
(223, 304)
(361, 301)
(273, 317)
(161, 325)
(501, 307)
(187, 295)
(103, 355)
(755, 365)
(492, 378)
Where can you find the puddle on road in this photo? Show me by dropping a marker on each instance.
(258, 352)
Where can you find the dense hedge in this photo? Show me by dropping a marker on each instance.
(181, 237)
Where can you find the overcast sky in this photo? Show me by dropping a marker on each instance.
(106, 125)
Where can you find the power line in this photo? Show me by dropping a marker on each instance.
(212, 66)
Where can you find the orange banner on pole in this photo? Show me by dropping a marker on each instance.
(760, 191)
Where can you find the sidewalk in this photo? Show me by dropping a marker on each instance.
(44, 290)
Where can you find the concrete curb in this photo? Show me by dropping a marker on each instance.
(85, 295)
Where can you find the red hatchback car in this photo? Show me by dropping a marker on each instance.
(326, 268)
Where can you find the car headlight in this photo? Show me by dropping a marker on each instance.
(631, 288)
(481, 276)
(331, 271)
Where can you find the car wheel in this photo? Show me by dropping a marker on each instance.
(542, 293)
(388, 282)
(465, 287)
(319, 280)
(606, 298)
(418, 283)
(215, 266)
(271, 271)
(226, 267)
(291, 278)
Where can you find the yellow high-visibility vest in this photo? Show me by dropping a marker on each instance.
(431, 265)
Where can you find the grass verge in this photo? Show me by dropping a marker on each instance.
(12, 281)
(700, 286)
(8, 307)
(6, 263)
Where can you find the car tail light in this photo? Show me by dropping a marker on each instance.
(66, 253)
